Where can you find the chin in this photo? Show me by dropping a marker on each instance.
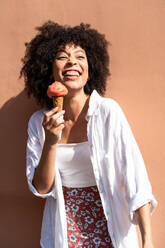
(73, 84)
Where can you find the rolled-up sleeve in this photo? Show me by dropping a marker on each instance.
(138, 187)
(33, 153)
(136, 182)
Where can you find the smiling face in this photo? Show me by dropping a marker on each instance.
(71, 67)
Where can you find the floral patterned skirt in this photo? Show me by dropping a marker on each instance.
(86, 223)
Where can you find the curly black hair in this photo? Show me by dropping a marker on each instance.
(42, 49)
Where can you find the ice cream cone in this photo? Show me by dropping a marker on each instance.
(58, 102)
(57, 91)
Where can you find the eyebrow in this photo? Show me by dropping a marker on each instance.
(76, 51)
(80, 50)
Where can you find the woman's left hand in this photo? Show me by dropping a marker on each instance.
(144, 219)
(148, 244)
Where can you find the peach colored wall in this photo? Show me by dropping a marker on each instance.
(136, 31)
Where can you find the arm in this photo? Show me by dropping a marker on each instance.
(144, 221)
(137, 185)
(45, 172)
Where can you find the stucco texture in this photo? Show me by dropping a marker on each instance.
(135, 29)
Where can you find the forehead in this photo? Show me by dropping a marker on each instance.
(71, 48)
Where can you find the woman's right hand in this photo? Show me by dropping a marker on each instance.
(53, 124)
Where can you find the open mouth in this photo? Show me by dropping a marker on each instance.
(71, 73)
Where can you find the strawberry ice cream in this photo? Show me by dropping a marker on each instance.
(57, 91)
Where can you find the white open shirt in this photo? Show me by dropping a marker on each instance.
(119, 171)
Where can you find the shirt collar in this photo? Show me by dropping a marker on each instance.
(94, 101)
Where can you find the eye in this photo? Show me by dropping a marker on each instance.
(81, 57)
(61, 57)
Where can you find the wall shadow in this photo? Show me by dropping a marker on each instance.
(23, 211)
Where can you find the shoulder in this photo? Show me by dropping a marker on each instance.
(102, 105)
(35, 121)
(37, 117)
(105, 106)
(110, 106)
(111, 112)
(35, 128)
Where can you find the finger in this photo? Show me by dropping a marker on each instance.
(52, 111)
(58, 114)
(56, 120)
(59, 128)
(49, 114)
(59, 132)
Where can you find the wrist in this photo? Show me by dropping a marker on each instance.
(50, 142)
(147, 242)
(51, 139)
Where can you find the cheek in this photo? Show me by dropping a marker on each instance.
(56, 70)
(85, 66)
(87, 71)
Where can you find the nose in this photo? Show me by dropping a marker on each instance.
(72, 61)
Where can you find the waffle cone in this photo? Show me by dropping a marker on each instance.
(58, 102)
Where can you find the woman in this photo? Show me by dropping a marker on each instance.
(87, 164)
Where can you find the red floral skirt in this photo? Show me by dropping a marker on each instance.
(86, 223)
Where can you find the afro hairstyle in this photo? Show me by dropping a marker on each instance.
(41, 51)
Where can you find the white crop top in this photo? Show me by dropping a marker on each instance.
(75, 167)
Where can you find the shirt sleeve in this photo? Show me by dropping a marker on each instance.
(33, 154)
(137, 185)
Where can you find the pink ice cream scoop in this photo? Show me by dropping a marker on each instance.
(57, 91)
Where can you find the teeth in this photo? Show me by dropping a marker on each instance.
(71, 73)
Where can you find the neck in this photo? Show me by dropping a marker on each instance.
(75, 106)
